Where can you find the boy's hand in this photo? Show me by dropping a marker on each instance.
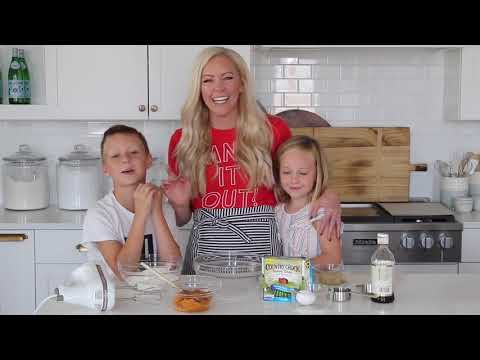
(143, 198)
(157, 206)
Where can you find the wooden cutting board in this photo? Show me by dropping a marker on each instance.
(366, 164)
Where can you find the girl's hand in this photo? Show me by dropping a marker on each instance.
(143, 198)
(330, 224)
(177, 190)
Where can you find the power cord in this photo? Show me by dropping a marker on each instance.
(43, 302)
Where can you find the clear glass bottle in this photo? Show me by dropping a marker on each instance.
(15, 80)
(27, 96)
(1, 87)
(382, 266)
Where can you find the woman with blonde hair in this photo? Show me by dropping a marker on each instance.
(220, 163)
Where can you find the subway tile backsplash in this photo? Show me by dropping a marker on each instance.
(361, 86)
(57, 138)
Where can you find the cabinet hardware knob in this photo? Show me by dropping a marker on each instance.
(81, 248)
(154, 108)
(12, 237)
(141, 108)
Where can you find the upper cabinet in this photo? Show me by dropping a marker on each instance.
(470, 83)
(41, 62)
(106, 82)
(462, 83)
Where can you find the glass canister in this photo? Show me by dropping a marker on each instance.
(25, 180)
(157, 173)
(78, 179)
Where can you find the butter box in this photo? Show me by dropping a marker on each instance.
(283, 276)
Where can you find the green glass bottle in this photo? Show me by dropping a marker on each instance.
(27, 95)
(15, 80)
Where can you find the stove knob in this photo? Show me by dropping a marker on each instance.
(408, 242)
(446, 241)
(426, 241)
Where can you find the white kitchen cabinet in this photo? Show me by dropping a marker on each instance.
(462, 83)
(102, 82)
(470, 251)
(41, 62)
(49, 277)
(56, 256)
(17, 272)
(469, 268)
(121, 82)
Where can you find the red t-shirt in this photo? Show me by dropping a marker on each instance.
(229, 189)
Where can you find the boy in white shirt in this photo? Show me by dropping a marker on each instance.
(129, 223)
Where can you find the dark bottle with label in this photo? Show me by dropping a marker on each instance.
(382, 263)
(27, 97)
(15, 80)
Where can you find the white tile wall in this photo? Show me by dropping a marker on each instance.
(56, 138)
(374, 87)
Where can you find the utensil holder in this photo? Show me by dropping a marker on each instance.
(452, 187)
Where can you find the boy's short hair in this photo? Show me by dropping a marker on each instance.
(123, 129)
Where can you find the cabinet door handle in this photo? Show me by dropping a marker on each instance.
(154, 108)
(81, 248)
(141, 108)
(12, 237)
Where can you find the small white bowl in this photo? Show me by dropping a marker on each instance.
(463, 204)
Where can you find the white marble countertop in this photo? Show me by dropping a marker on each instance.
(414, 294)
(49, 218)
(469, 220)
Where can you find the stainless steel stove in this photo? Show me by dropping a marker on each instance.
(419, 232)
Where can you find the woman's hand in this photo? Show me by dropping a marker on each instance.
(330, 224)
(143, 198)
(177, 190)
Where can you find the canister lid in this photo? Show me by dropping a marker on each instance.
(79, 154)
(24, 155)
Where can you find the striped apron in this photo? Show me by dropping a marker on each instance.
(250, 230)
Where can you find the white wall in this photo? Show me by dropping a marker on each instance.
(56, 138)
(371, 87)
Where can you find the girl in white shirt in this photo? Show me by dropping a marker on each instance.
(300, 170)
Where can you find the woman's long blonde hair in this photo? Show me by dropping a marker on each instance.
(309, 145)
(254, 137)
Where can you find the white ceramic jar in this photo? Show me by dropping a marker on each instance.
(78, 179)
(157, 173)
(452, 187)
(25, 180)
(463, 204)
(474, 184)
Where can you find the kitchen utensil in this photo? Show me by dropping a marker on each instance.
(339, 294)
(443, 168)
(159, 275)
(25, 180)
(228, 265)
(88, 286)
(79, 179)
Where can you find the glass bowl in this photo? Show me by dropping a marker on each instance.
(135, 277)
(228, 265)
(330, 275)
(195, 292)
